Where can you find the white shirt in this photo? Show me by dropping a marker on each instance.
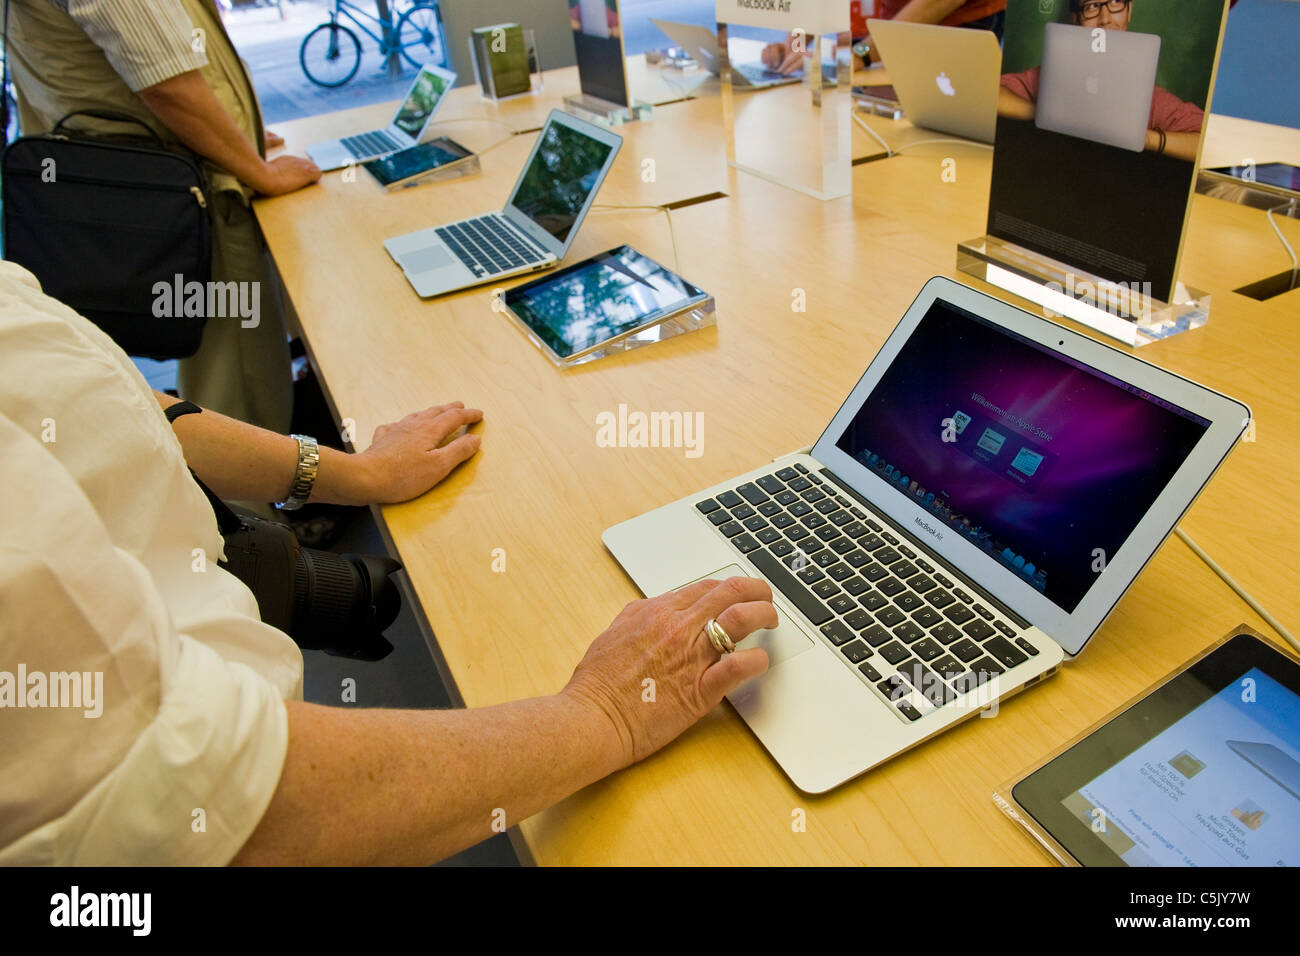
(108, 565)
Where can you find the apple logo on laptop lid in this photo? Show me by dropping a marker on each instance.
(945, 84)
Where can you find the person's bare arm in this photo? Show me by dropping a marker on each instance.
(242, 462)
(412, 787)
(928, 11)
(186, 105)
(1177, 145)
(379, 786)
(1013, 106)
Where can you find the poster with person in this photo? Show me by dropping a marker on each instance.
(1101, 108)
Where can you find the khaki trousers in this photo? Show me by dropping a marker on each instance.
(237, 371)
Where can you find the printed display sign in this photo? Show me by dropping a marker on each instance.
(1101, 107)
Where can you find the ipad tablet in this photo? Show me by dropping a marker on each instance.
(599, 301)
(1202, 770)
(1279, 175)
(408, 166)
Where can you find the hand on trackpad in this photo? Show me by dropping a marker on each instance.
(782, 642)
(425, 260)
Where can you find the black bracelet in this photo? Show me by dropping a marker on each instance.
(174, 412)
(1161, 147)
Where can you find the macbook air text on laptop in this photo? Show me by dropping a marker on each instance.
(972, 513)
(1104, 96)
(946, 77)
(409, 123)
(550, 199)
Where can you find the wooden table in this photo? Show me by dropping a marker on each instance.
(767, 379)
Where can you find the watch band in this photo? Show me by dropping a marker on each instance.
(305, 475)
(177, 409)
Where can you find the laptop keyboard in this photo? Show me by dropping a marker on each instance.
(374, 143)
(759, 74)
(488, 245)
(906, 629)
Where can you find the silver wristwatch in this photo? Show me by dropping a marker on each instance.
(305, 476)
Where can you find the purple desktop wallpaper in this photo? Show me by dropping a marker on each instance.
(1035, 460)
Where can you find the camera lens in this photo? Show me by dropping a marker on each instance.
(341, 602)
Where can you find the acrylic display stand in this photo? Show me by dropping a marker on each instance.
(1122, 311)
(798, 135)
(595, 110)
(468, 167)
(699, 316)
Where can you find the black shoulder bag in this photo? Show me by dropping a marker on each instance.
(115, 227)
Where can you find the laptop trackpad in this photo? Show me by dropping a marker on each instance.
(782, 642)
(425, 260)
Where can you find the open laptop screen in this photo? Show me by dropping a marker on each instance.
(565, 169)
(1045, 464)
(426, 93)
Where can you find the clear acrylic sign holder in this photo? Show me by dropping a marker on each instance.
(596, 110)
(796, 135)
(535, 82)
(1123, 311)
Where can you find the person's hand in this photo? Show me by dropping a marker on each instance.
(272, 140)
(284, 174)
(773, 55)
(785, 57)
(406, 458)
(663, 639)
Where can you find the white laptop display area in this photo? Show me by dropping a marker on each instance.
(413, 116)
(1096, 95)
(946, 78)
(822, 717)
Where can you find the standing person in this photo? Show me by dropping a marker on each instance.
(976, 14)
(170, 64)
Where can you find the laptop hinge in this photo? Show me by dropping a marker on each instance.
(929, 553)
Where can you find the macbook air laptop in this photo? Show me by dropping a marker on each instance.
(409, 123)
(965, 523)
(702, 44)
(534, 230)
(1101, 96)
(946, 77)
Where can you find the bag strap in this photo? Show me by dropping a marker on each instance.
(4, 81)
(111, 115)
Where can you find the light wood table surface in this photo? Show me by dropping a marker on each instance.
(767, 380)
